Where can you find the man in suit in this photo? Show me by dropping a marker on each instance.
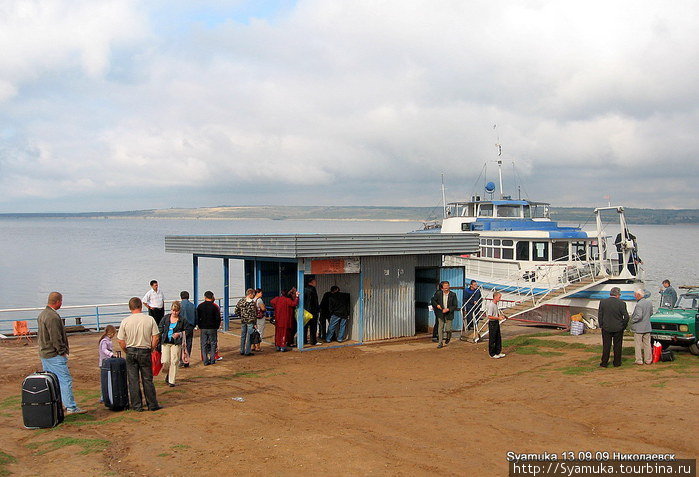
(444, 304)
(613, 318)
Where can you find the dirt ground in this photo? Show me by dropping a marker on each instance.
(391, 408)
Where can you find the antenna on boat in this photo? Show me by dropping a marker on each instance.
(497, 144)
(444, 199)
(502, 195)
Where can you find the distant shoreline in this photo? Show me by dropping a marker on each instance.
(354, 213)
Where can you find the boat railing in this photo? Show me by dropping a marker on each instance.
(75, 317)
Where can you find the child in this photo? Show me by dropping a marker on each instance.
(105, 346)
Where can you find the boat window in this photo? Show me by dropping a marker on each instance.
(490, 241)
(507, 243)
(482, 241)
(560, 250)
(508, 253)
(496, 253)
(496, 241)
(578, 251)
(522, 250)
(540, 251)
(465, 227)
(471, 208)
(527, 212)
(594, 251)
(489, 252)
(508, 210)
(540, 211)
(486, 210)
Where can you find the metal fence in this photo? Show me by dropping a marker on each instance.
(92, 317)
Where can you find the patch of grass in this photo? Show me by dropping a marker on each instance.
(5, 459)
(660, 384)
(536, 350)
(11, 402)
(89, 445)
(164, 454)
(86, 394)
(173, 391)
(180, 446)
(79, 419)
(88, 420)
(6, 414)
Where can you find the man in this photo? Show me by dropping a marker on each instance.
(640, 325)
(492, 311)
(339, 307)
(246, 309)
(189, 313)
(155, 302)
(668, 295)
(208, 321)
(139, 336)
(54, 350)
(613, 318)
(444, 304)
(472, 305)
(323, 315)
(634, 259)
(310, 304)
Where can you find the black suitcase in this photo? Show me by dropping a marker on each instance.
(667, 355)
(115, 392)
(42, 406)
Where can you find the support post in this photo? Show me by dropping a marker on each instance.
(361, 304)
(195, 275)
(226, 295)
(258, 275)
(300, 335)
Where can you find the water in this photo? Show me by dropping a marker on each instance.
(108, 261)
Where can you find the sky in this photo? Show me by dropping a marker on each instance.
(124, 105)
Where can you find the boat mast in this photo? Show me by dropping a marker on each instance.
(444, 199)
(502, 194)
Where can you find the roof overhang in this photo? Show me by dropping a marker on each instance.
(294, 246)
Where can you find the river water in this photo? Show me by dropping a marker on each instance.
(110, 260)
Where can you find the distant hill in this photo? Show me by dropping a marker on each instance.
(414, 214)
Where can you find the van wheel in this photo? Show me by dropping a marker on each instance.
(694, 349)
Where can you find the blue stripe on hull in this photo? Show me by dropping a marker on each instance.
(585, 294)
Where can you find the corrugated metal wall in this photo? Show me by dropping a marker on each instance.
(389, 296)
(348, 283)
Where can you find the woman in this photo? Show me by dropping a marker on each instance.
(105, 347)
(171, 329)
(261, 308)
(284, 318)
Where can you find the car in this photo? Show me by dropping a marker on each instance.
(678, 326)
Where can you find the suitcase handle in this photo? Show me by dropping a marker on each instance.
(118, 354)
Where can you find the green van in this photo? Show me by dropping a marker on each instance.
(678, 326)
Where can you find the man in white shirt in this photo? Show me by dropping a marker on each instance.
(492, 310)
(138, 336)
(155, 302)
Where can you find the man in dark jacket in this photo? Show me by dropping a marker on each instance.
(339, 306)
(613, 318)
(53, 350)
(189, 313)
(208, 321)
(444, 304)
(310, 304)
(472, 305)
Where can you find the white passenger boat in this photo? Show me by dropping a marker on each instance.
(547, 271)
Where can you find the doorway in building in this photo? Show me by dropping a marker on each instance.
(427, 281)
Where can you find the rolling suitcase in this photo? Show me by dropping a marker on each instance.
(42, 406)
(115, 392)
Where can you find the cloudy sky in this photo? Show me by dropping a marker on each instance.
(113, 105)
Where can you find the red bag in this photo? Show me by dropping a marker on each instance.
(657, 351)
(155, 361)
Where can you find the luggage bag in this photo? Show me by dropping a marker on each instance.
(667, 355)
(115, 392)
(42, 406)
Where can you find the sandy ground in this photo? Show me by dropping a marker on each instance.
(391, 408)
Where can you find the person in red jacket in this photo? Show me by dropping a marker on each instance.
(284, 318)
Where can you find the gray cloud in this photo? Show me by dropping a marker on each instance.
(112, 105)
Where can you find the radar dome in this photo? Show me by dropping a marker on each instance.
(490, 187)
